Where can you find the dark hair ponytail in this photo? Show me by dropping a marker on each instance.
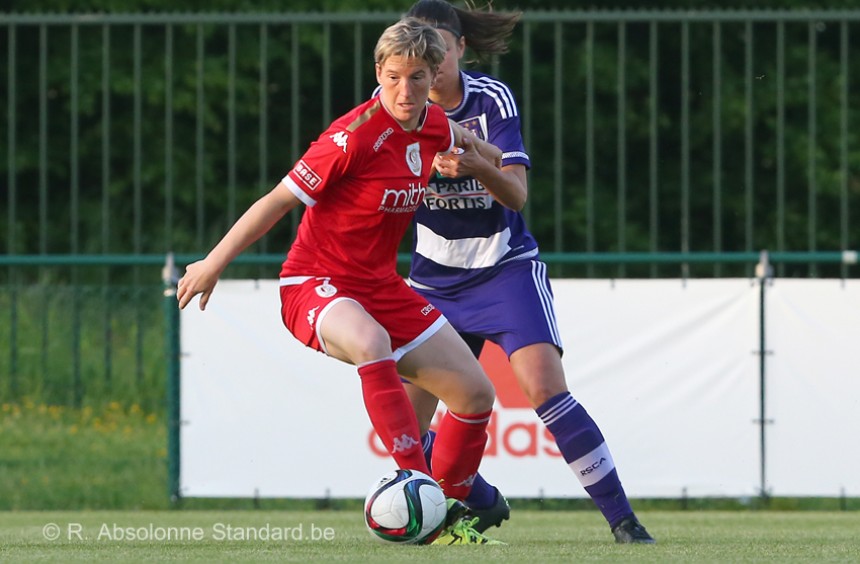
(486, 31)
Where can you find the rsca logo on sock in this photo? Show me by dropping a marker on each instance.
(589, 469)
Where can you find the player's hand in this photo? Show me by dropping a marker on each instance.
(466, 161)
(200, 278)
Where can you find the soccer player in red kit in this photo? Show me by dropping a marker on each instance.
(361, 181)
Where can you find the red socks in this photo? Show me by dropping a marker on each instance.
(457, 452)
(460, 440)
(391, 414)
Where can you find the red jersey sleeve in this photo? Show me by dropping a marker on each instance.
(325, 162)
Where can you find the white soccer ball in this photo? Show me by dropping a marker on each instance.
(405, 507)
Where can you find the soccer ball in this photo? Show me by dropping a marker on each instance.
(405, 507)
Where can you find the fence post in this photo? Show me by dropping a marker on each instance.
(170, 277)
(764, 273)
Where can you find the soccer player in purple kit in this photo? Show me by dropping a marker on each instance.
(475, 259)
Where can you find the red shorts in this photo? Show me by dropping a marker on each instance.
(409, 319)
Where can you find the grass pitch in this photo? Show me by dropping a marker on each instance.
(340, 536)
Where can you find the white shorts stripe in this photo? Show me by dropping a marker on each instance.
(539, 277)
(553, 321)
(294, 280)
(426, 334)
(321, 316)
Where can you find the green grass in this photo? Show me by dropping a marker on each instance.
(532, 536)
(80, 345)
(56, 457)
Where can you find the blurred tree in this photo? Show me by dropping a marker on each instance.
(212, 109)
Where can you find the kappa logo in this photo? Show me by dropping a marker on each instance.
(312, 315)
(340, 138)
(404, 443)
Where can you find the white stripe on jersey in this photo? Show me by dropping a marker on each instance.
(299, 193)
(539, 277)
(470, 252)
(514, 155)
(497, 90)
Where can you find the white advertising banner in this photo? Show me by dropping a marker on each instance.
(262, 415)
(667, 368)
(813, 387)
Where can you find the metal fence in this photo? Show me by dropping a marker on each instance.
(663, 144)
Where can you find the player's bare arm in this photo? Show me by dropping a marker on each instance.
(200, 277)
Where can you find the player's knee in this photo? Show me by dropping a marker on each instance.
(372, 344)
(483, 396)
(473, 393)
(538, 392)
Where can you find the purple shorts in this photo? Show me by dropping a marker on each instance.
(513, 308)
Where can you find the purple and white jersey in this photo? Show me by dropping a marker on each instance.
(460, 231)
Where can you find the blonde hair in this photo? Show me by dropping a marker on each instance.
(411, 38)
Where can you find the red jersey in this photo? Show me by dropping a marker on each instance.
(362, 182)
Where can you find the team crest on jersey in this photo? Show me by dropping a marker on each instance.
(325, 290)
(413, 158)
(477, 125)
(340, 138)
